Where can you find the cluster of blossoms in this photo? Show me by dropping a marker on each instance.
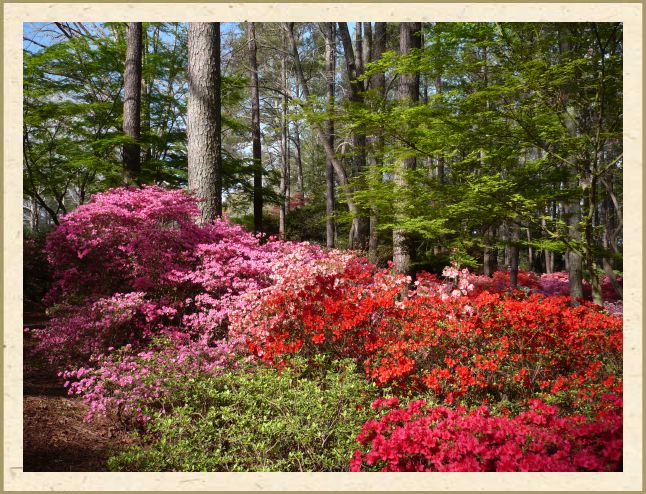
(421, 438)
(475, 347)
(141, 289)
(145, 298)
(130, 383)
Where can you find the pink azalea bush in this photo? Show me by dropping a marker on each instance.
(141, 290)
(133, 263)
(131, 383)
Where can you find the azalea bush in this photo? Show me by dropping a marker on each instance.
(132, 385)
(440, 337)
(134, 263)
(425, 438)
(193, 333)
(142, 291)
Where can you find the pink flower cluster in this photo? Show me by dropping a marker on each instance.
(141, 289)
(77, 332)
(130, 383)
(558, 284)
(425, 438)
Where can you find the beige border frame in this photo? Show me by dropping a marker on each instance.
(17, 13)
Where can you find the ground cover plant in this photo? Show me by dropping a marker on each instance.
(224, 351)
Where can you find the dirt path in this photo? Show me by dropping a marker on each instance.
(56, 439)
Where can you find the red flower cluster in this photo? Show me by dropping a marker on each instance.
(437, 439)
(491, 346)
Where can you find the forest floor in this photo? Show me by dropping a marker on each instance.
(55, 436)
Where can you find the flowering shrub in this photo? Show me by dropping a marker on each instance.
(128, 383)
(558, 284)
(484, 347)
(144, 292)
(146, 300)
(426, 438)
(133, 263)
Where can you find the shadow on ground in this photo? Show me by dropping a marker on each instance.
(55, 436)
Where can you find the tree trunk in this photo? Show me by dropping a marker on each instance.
(358, 37)
(409, 38)
(378, 82)
(34, 215)
(590, 206)
(530, 249)
(327, 146)
(574, 260)
(146, 84)
(255, 130)
(203, 127)
(489, 256)
(549, 255)
(132, 102)
(367, 54)
(284, 148)
(300, 182)
(330, 74)
(360, 230)
(607, 266)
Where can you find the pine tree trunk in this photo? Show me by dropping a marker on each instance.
(378, 83)
(409, 38)
(489, 256)
(368, 43)
(255, 130)
(549, 255)
(360, 230)
(284, 150)
(145, 98)
(132, 102)
(34, 215)
(330, 73)
(574, 260)
(203, 127)
(300, 182)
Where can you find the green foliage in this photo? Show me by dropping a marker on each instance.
(307, 223)
(259, 419)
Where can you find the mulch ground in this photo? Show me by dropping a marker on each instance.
(55, 436)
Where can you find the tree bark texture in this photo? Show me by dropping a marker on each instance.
(284, 148)
(330, 71)
(340, 172)
(575, 261)
(514, 255)
(132, 102)
(255, 129)
(203, 127)
(377, 82)
(409, 38)
(489, 256)
(360, 230)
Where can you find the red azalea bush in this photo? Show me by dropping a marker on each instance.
(422, 438)
(484, 347)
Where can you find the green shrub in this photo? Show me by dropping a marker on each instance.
(258, 419)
